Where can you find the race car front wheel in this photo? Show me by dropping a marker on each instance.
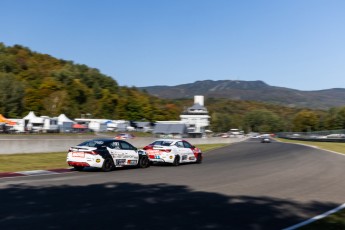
(144, 162)
(176, 161)
(199, 158)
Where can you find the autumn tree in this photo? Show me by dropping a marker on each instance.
(335, 118)
(11, 95)
(305, 121)
(262, 121)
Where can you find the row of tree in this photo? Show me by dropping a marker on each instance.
(30, 81)
(262, 117)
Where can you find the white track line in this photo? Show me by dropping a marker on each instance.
(316, 218)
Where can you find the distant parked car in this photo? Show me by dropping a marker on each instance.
(173, 151)
(124, 136)
(265, 140)
(225, 135)
(338, 135)
(106, 154)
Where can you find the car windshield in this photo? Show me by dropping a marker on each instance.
(162, 143)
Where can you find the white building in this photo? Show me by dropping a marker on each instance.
(196, 117)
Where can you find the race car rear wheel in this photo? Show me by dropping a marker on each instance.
(176, 161)
(144, 162)
(107, 164)
(78, 168)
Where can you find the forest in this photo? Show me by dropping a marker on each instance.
(31, 81)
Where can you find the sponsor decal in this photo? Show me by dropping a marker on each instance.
(171, 157)
(99, 142)
(153, 151)
(132, 162)
(123, 155)
(78, 154)
(98, 160)
(155, 157)
(120, 161)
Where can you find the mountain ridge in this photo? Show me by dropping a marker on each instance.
(252, 90)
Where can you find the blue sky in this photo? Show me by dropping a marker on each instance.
(298, 44)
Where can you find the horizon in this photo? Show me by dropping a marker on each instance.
(235, 80)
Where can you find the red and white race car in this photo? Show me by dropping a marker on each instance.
(173, 151)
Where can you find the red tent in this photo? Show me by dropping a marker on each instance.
(79, 126)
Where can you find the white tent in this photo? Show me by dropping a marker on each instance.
(65, 124)
(30, 116)
(63, 118)
(33, 118)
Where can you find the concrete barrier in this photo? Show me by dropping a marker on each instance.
(14, 144)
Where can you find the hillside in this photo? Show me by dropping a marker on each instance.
(252, 91)
(31, 81)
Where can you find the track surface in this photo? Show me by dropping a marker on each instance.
(247, 185)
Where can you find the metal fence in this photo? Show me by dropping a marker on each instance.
(320, 136)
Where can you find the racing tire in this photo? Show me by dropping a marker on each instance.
(108, 165)
(199, 159)
(176, 161)
(78, 168)
(144, 162)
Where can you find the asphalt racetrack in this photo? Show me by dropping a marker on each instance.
(247, 185)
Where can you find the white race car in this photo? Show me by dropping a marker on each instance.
(106, 153)
(173, 151)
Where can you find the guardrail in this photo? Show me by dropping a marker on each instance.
(14, 144)
(339, 140)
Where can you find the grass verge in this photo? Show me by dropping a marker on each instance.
(332, 146)
(208, 147)
(32, 161)
(35, 161)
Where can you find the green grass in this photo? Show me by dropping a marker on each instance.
(35, 161)
(332, 146)
(337, 220)
(32, 161)
(207, 147)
